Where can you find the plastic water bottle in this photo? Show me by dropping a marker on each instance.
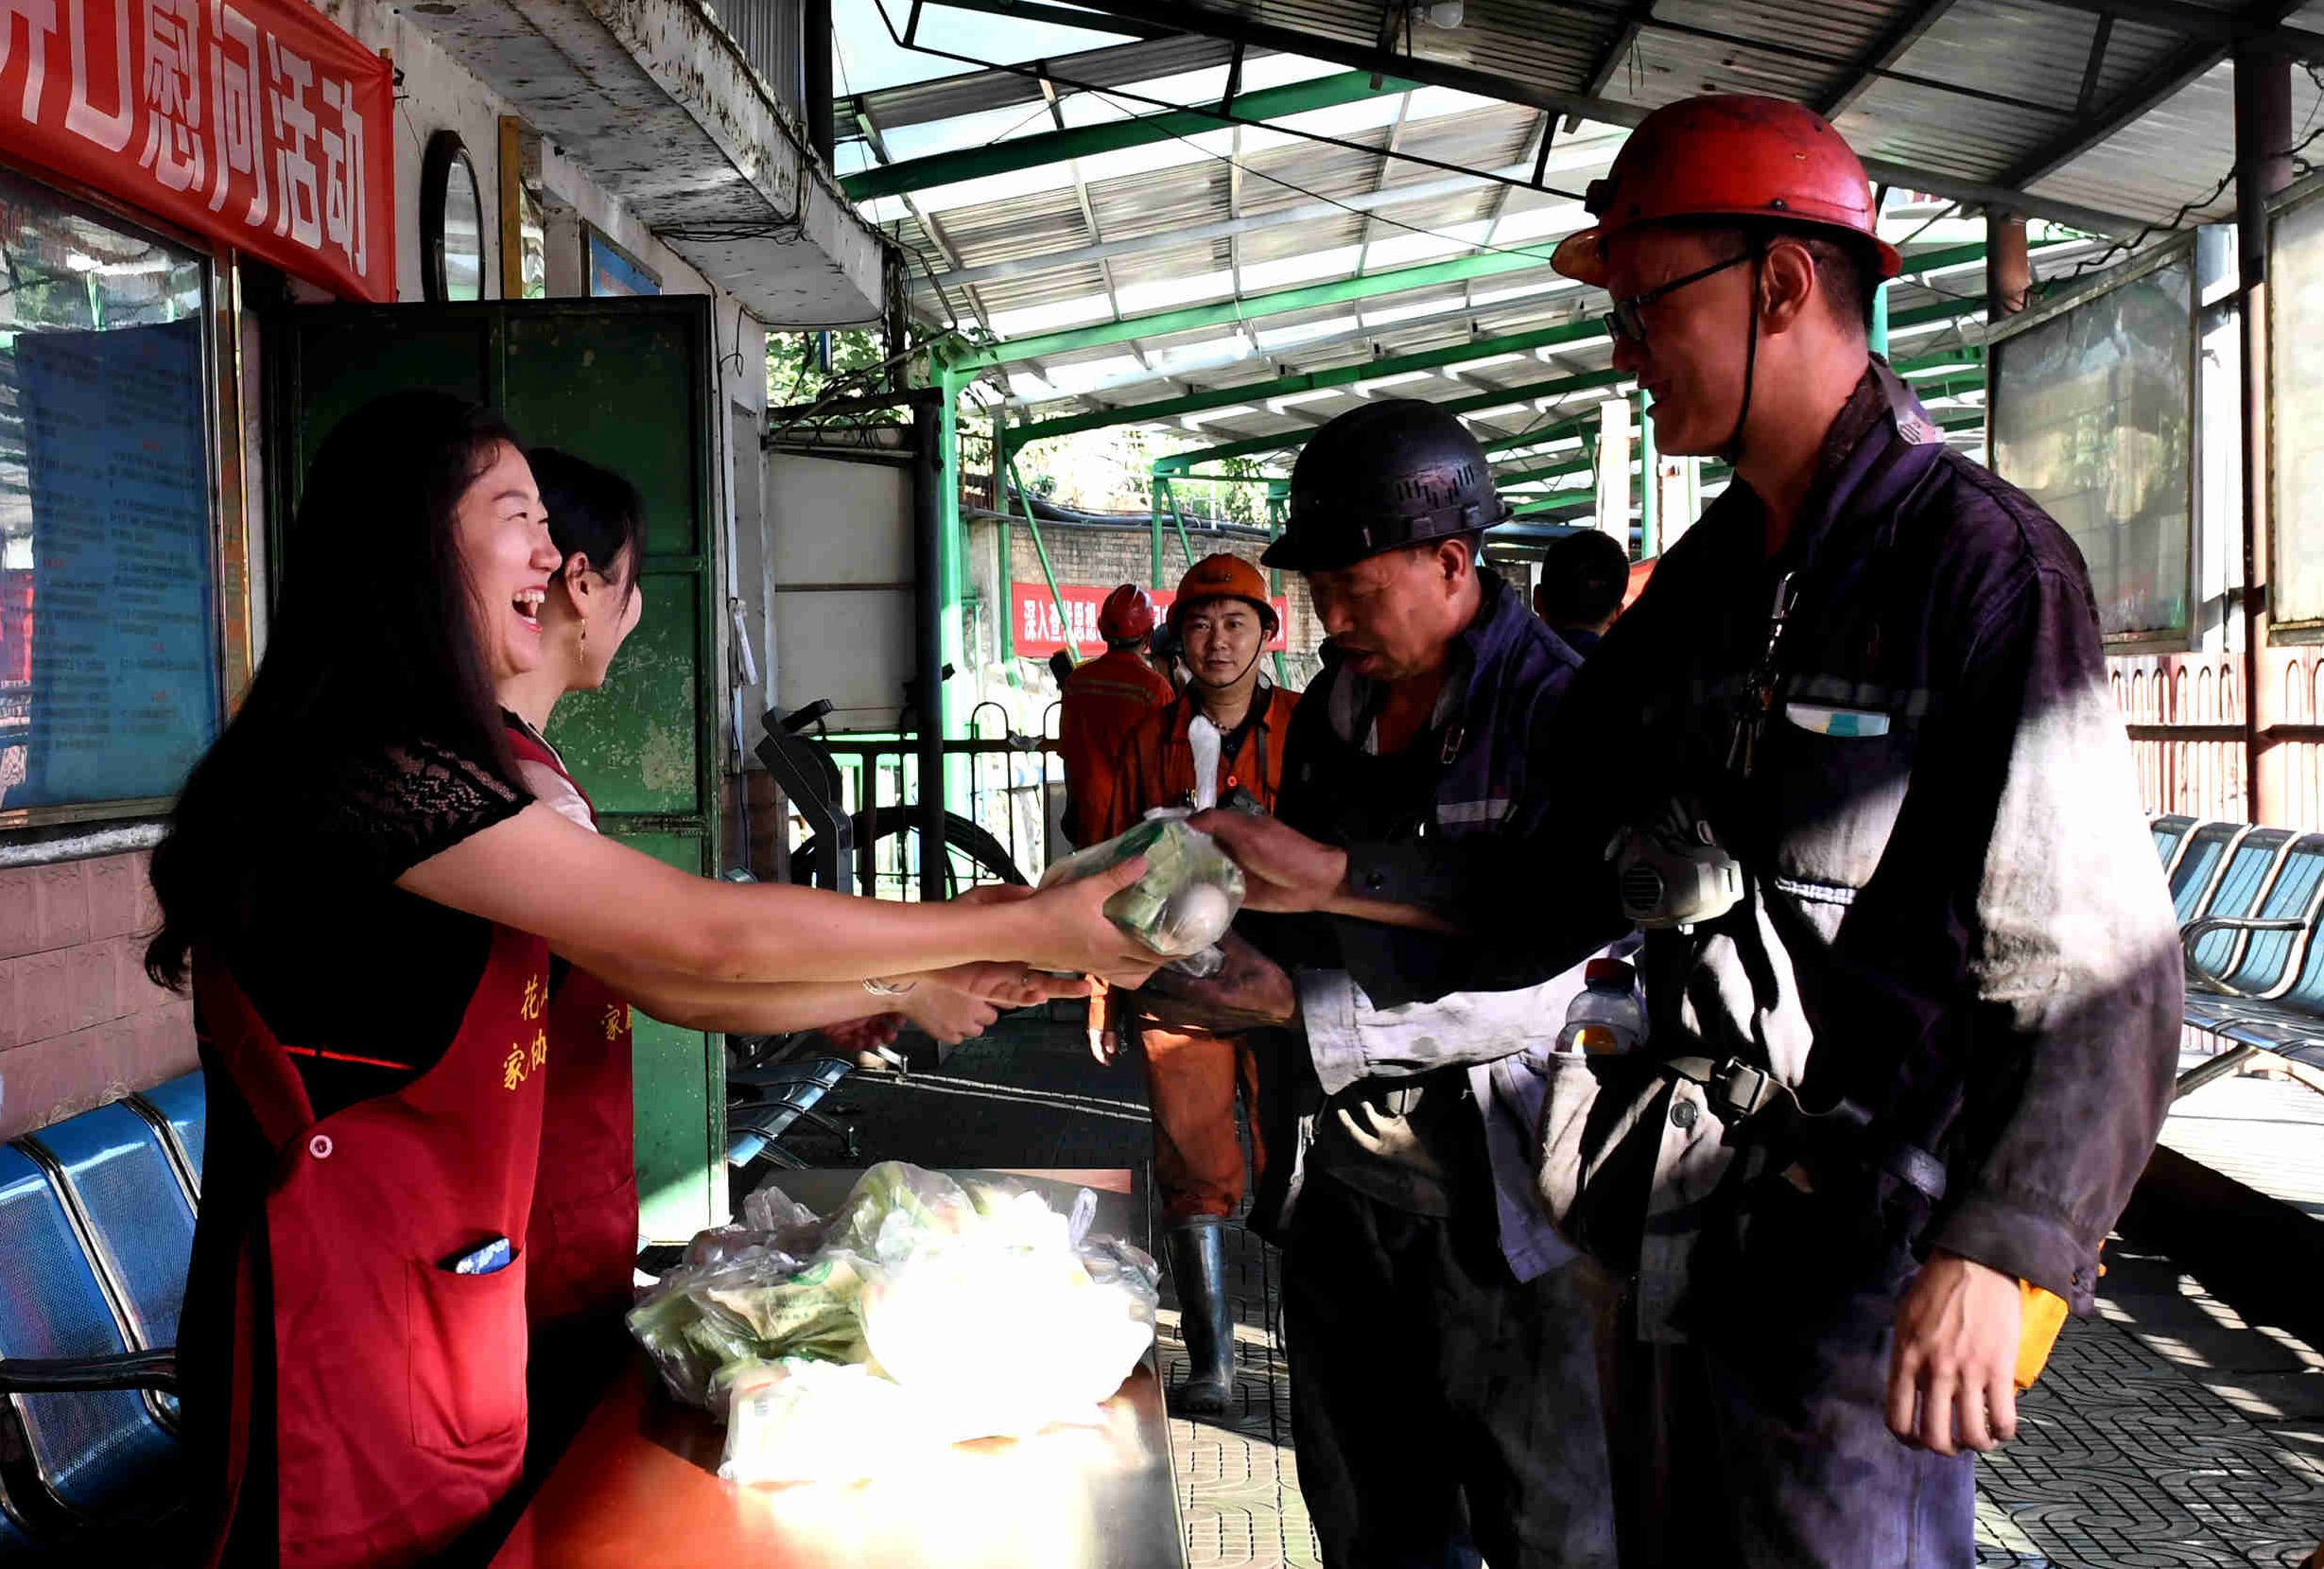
(1604, 1018)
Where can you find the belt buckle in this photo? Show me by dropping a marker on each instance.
(1739, 1088)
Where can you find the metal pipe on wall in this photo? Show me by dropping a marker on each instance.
(2263, 168)
(928, 478)
(815, 76)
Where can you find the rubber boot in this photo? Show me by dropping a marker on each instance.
(1198, 1264)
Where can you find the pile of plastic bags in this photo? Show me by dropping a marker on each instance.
(923, 1312)
(1186, 897)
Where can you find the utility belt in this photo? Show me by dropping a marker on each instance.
(1756, 1108)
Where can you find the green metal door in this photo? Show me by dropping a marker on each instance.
(628, 384)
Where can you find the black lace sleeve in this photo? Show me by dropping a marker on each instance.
(392, 810)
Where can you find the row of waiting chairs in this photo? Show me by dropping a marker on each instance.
(97, 1223)
(2249, 900)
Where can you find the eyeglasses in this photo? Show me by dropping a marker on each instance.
(1627, 322)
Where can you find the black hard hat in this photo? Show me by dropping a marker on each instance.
(1381, 476)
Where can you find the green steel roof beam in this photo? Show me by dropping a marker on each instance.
(1340, 375)
(1482, 264)
(1056, 147)
(1181, 464)
(1335, 375)
(1226, 312)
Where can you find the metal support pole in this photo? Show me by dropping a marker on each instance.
(2263, 168)
(815, 76)
(1004, 579)
(1170, 494)
(1878, 337)
(1048, 574)
(928, 451)
(1154, 515)
(2009, 268)
(1650, 475)
(1276, 496)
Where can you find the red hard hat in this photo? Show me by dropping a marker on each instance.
(1728, 155)
(1222, 577)
(1126, 615)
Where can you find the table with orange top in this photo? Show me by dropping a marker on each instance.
(639, 1485)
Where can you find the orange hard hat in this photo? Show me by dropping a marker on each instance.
(1126, 615)
(1728, 155)
(1222, 577)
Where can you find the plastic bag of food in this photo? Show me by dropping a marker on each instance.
(1004, 1339)
(989, 1309)
(802, 1421)
(1190, 893)
(715, 1308)
(789, 1224)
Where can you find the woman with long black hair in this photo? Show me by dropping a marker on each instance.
(365, 899)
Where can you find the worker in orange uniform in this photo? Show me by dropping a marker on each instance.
(1220, 742)
(1099, 704)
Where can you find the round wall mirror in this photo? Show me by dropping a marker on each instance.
(451, 222)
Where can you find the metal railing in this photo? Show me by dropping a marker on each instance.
(1012, 781)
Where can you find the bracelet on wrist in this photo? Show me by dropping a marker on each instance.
(878, 988)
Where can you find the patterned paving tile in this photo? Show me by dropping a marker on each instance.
(2167, 1434)
(2125, 1459)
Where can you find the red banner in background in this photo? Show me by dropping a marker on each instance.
(254, 122)
(1038, 634)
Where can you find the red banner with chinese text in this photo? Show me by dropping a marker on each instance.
(1037, 631)
(255, 122)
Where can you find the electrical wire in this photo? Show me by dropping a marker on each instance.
(2188, 209)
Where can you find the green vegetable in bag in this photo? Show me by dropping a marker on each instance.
(1188, 895)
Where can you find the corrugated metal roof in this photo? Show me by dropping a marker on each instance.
(1962, 94)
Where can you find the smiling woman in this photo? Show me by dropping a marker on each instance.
(366, 896)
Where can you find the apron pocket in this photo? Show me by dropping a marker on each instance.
(466, 1350)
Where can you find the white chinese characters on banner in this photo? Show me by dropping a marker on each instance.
(301, 213)
(174, 149)
(244, 118)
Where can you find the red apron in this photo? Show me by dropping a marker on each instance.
(399, 1411)
(585, 1205)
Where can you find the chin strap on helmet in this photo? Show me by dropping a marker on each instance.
(1732, 452)
(1222, 686)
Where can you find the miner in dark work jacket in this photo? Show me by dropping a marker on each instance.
(1911, 974)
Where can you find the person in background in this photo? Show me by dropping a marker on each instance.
(1219, 741)
(1099, 705)
(1584, 577)
(364, 898)
(1442, 1336)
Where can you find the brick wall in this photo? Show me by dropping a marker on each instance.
(80, 1024)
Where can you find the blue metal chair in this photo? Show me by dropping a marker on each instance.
(2170, 838)
(2199, 864)
(2271, 933)
(68, 1370)
(2243, 881)
(134, 1205)
(179, 1106)
(787, 1093)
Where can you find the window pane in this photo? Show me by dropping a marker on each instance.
(108, 649)
(2091, 418)
(2296, 291)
